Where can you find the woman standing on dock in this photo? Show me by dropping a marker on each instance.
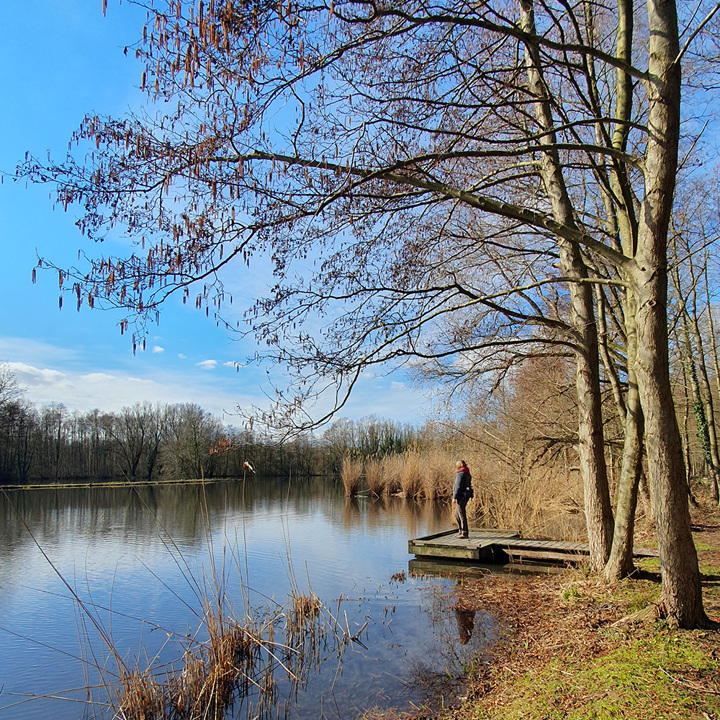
(462, 492)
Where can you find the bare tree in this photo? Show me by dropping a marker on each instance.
(366, 136)
(189, 434)
(10, 390)
(134, 435)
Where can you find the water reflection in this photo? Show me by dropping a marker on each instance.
(465, 623)
(139, 557)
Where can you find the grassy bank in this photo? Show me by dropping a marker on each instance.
(575, 649)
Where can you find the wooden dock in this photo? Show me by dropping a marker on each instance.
(486, 545)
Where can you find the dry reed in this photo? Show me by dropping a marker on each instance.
(236, 658)
(302, 618)
(351, 474)
(410, 474)
(392, 466)
(437, 476)
(212, 675)
(375, 477)
(537, 500)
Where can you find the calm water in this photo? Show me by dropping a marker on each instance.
(132, 561)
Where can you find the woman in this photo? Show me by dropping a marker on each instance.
(462, 492)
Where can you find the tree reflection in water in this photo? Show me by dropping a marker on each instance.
(128, 552)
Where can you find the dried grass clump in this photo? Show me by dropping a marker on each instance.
(304, 612)
(351, 474)
(410, 474)
(375, 477)
(438, 475)
(213, 674)
(303, 632)
(392, 467)
(235, 658)
(141, 697)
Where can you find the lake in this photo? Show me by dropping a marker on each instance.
(132, 565)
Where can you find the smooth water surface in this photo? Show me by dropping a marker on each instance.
(132, 564)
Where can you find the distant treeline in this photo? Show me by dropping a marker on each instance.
(149, 442)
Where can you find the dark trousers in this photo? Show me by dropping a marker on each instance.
(461, 516)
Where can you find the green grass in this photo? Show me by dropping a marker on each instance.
(701, 547)
(644, 679)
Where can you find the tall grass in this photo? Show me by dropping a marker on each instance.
(209, 677)
(437, 474)
(410, 473)
(375, 478)
(351, 475)
(538, 500)
(237, 658)
(392, 467)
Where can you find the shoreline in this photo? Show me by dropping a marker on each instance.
(84, 485)
(574, 647)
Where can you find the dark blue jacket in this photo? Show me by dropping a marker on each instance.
(462, 484)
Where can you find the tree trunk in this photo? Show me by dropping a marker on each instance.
(707, 401)
(591, 443)
(681, 592)
(620, 563)
(713, 337)
(685, 439)
(699, 383)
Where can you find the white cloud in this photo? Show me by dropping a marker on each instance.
(157, 349)
(207, 364)
(111, 391)
(59, 375)
(82, 391)
(182, 357)
(27, 375)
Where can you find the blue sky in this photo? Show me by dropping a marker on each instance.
(61, 60)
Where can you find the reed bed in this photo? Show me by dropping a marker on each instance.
(210, 676)
(375, 477)
(434, 483)
(351, 475)
(237, 658)
(537, 500)
(230, 658)
(410, 474)
(392, 465)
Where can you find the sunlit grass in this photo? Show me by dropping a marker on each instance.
(646, 679)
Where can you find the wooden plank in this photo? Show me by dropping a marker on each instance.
(545, 555)
(472, 549)
(558, 546)
(473, 531)
(466, 553)
(498, 532)
(453, 543)
(448, 567)
(444, 533)
(493, 544)
(480, 544)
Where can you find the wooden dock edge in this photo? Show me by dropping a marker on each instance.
(489, 545)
